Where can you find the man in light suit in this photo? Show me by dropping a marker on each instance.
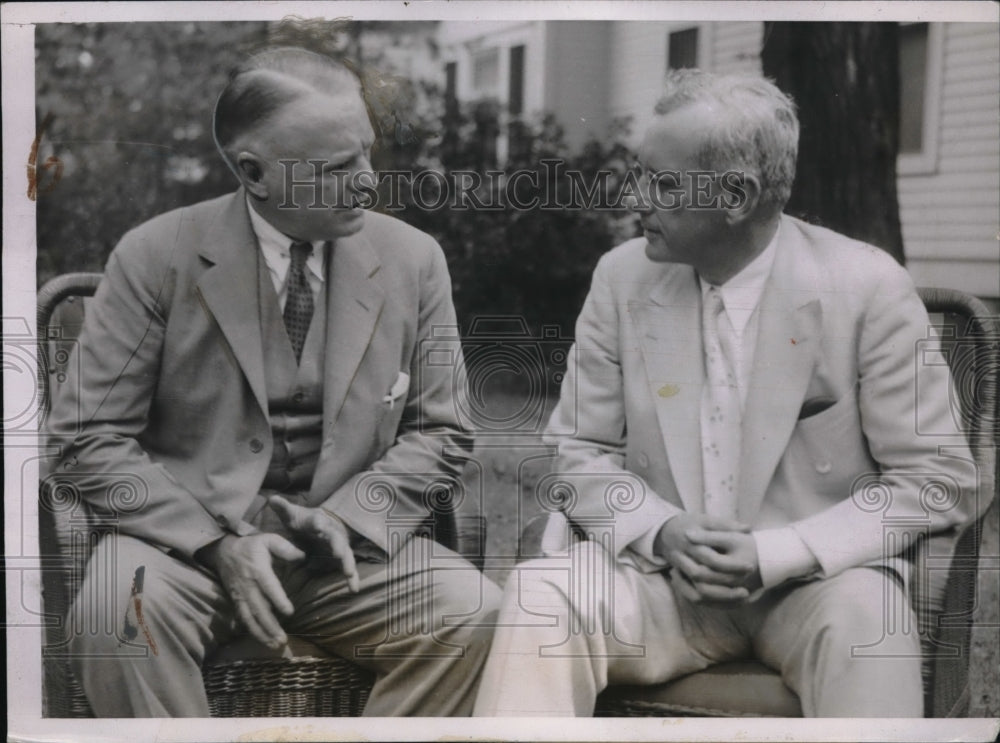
(256, 368)
(736, 435)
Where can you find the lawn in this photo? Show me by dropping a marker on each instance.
(501, 483)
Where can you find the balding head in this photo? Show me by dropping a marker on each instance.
(263, 84)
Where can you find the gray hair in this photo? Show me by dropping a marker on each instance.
(756, 131)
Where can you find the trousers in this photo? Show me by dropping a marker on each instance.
(421, 621)
(569, 628)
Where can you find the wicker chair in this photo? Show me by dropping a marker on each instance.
(944, 582)
(243, 679)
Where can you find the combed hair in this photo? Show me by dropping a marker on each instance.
(270, 79)
(756, 129)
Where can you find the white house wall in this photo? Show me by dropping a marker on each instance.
(576, 77)
(736, 46)
(460, 40)
(951, 216)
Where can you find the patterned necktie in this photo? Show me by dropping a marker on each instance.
(298, 299)
(720, 415)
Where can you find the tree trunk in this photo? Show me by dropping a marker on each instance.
(844, 78)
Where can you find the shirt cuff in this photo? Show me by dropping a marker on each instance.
(644, 547)
(782, 555)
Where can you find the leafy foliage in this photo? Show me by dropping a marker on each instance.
(131, 107)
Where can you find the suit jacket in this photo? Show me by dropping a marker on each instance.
(166, 422)
(841, 331)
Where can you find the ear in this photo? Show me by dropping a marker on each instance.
(250, 170)
(741, 194)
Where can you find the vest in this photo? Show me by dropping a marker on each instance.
(294, 391)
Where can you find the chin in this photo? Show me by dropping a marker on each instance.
(350, 226)
(658, 252)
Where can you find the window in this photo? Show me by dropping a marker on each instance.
(912, 86)
(682, 49)
(919, 96)
(515, 91)
(486, 73)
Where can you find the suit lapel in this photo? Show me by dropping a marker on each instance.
(229, 290)
(354, 304)
(785, 357)
(669, 331)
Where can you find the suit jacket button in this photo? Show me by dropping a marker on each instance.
(643, 460)
(221, 520)
(824, 467)
(256, 445)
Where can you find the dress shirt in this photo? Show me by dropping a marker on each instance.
(275, 246)
(781, 553)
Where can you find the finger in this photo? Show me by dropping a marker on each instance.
(698, 573)
(721, 594)
(289, 513)
(719, 562)
(340, 547)
(271, 588)
(684, 587)
(721, 523)
(719, 540)
(249, 619)
(281, 547)
(263, 615)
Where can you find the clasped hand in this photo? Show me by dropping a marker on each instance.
(713, 560)
(245, 566)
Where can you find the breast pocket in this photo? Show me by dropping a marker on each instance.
(829, 450)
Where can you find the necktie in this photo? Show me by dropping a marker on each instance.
(298, 298)
(720, 415)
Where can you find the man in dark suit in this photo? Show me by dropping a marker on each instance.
(744, 435)
(258, 364)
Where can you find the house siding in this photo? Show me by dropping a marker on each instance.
(736, 46)
(951, 216)
(638, 61)
(576, 85)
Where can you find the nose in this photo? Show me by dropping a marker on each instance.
(364, 179)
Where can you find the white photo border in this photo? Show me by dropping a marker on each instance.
(23, 577)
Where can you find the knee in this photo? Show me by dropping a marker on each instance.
(466, 593)
(876, 613)
(553, 585)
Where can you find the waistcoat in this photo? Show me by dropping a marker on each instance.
(294, 390)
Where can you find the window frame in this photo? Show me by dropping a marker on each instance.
(925, 162)
(699, 59)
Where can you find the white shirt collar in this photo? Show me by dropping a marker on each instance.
(276, 247)
(741, 294)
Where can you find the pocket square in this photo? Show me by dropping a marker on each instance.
(815, 406)
(398, 389)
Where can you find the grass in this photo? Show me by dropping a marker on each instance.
(501, 486)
